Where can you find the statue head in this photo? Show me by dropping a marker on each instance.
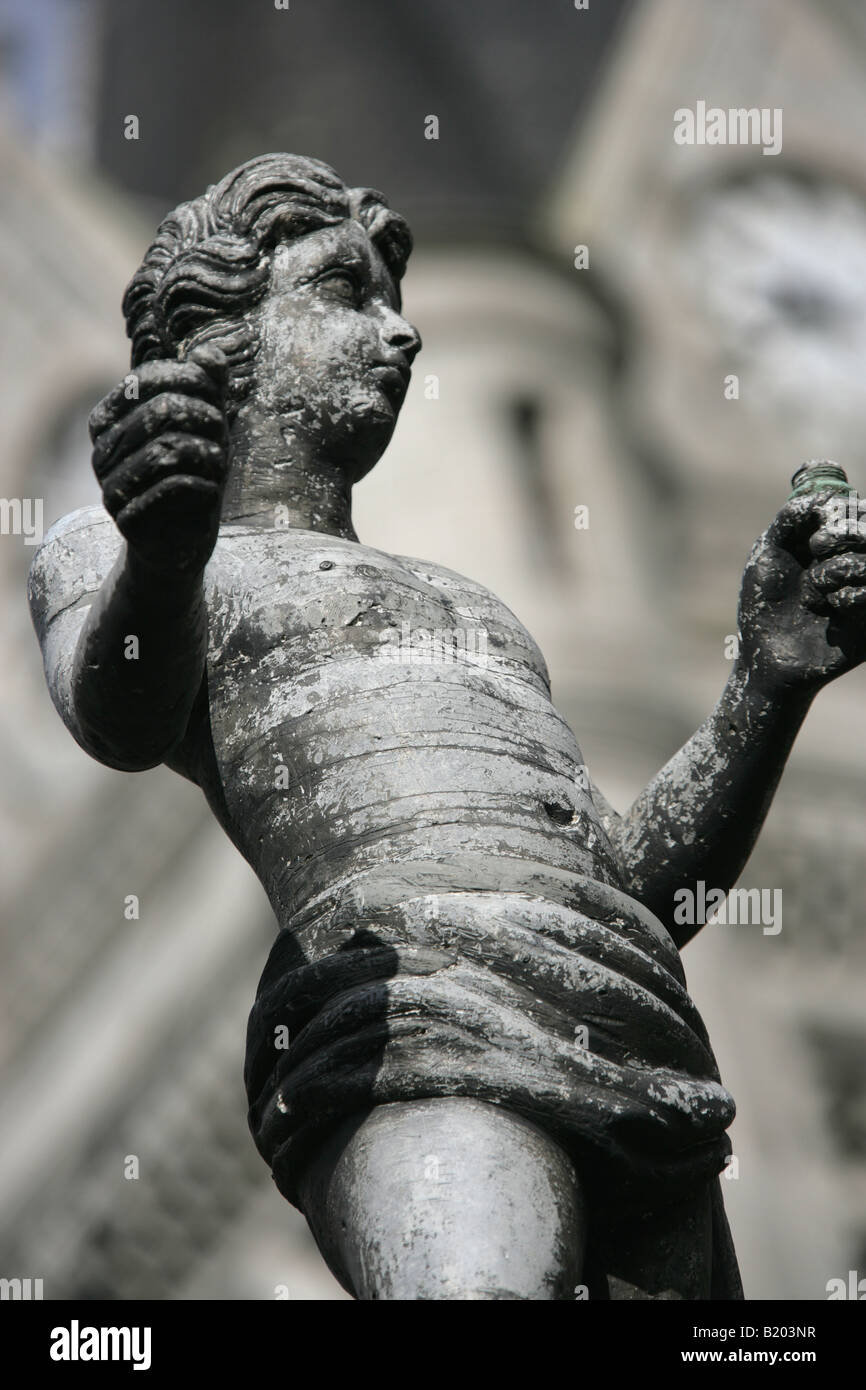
(296, 278)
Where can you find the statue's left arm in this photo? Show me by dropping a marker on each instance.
(802, 623)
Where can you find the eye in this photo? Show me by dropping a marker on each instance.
(343, 283)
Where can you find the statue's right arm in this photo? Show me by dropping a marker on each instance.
(120, 610)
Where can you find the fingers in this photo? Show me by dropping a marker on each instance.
(179, 496)
(848, 599)
(817, 526)
(168, 412)
(203, 374)
(839, 534)
(798, 520)
(170, 454)
(849, 568)
(213, 359)
(837, 583)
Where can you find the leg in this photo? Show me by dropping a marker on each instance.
(446, 1199)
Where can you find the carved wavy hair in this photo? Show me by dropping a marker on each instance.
(210, 262)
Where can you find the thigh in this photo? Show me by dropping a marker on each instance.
(446, 1199)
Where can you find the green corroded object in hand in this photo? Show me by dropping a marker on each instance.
(819, 475)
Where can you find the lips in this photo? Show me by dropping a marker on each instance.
(392, 378)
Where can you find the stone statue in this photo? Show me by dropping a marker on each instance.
(472, 1061)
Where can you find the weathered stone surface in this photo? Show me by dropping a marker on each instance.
(469, 937)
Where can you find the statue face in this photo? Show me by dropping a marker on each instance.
(335, 353)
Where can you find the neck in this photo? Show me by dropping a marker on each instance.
(277, 478)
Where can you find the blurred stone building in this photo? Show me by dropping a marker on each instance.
(542, 388)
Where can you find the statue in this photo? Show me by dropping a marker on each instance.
(472, 1061)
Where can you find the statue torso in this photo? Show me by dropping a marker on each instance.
(369, 711)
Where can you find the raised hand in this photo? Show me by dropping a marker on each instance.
(802, 611)
(162, 460)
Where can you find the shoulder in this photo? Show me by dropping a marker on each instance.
(476, 603)
(71, 563)
(456, 587)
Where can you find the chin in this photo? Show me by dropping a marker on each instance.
(367, 437)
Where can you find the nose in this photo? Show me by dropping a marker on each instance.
(401, 334)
